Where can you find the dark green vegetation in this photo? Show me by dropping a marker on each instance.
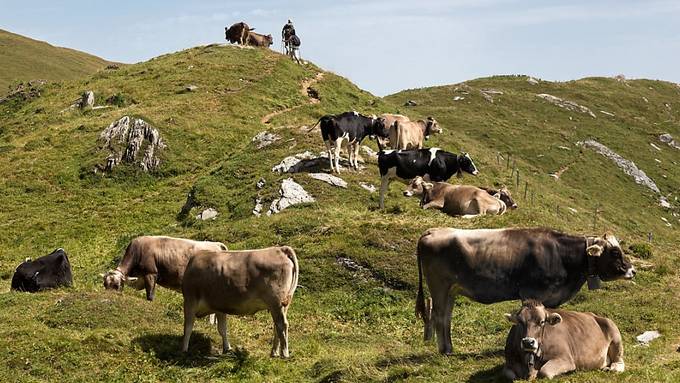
(345, 325)
(24, 59)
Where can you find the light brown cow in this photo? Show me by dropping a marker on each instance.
(547, 343)
(455, 200)
(410, 134)
(259, 40)
(390, 133)
(241, 283)
(158, 260)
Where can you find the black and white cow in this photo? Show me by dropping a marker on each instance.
(433, 164)
(350, 126)
(46, 272)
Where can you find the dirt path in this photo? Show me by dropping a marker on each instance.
(313, 98)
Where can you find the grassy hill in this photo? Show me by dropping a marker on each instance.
(25, 59)
(347, 323)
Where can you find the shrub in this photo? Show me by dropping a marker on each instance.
(641, 250)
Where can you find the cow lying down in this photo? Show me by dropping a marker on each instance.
(157, 260)
(241, 283)
(546, 343)
(460, 200)
(50, 271)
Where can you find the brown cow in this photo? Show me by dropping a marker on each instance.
(455, 200)
(258, 40)
(241, 283)
(547, 343)
(410, 134)
(158, 260)
(237, 33)
(415, 188)
(495, 265)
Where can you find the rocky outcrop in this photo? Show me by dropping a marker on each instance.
(627, 166)
(264, 139)
(291, 193)
(24, 91)
(329, 179)
(410, 103)
(126, 138)
(667, 139)
(207, 214)
(305, 162)
(565, 104)
(489, 94)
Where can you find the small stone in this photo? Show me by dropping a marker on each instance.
(664, 203)
(655, 147)
(207, 214)
(410, 103)
(260, 183)
(264, 139)
(257, 210)
(369, 187)
(458, 98)
(608, 113)
(329, 179)
(190, 88)
(647, 337)
(566, 104)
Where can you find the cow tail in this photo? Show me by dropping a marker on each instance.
(420, 298)
(315, 125)
(296, 273)
(396, 133)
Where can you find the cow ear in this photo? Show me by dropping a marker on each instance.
(594, 250)
(512, 318)
(28, 259)
(554, 319)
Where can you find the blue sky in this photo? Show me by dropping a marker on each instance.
(386, 46)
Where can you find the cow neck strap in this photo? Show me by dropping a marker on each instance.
(593, 278)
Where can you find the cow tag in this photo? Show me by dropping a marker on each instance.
(594, 282)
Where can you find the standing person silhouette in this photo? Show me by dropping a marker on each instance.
(287, 31)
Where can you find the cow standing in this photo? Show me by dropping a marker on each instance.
(237, 33)
(241, 283)
(350, 126)
(411, 134)
(158, 260)
(48, 272)
(433, 164)
(456, 200)
(545, 343)
(495, 265)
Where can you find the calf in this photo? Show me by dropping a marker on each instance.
(546, 343)
(457, 200)
(410, 134)
(52, 270)
(241, 283)
(158, 260)
(258, 40)
(433, 164)
(350, 126)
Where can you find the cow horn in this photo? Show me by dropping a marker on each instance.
(512, 318)
(131, 279)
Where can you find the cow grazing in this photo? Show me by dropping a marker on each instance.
(241, 283)
(237, 33)
(456, 200)
(258, 40)
(52, 270)
(494, 265)
(350, 126)
(158, 260)
(411, 134)
(545, 343)
(433, 164)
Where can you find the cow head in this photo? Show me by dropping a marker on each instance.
(465, 164)
(115, 280)
(531, 321)
(607, 260)
(269, 40)
(415, 187)
(427, 195)
(431, 127)
(379, 127)
(504, 195)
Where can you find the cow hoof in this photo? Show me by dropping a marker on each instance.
(617, 367)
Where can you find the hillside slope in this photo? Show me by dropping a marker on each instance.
(25, 59)
(352, 318)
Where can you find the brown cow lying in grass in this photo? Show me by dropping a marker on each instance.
(545, 343)
(460, 200)
(259, 40)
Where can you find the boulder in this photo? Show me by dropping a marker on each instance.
(329, 179)
(207, 214)
(667, 139)
(647, 337)
(125, 138)
(264, 139)
(565, 104)
(291, 193)
(87, 100)
(257, 210)
(627, 166)
(410, 103)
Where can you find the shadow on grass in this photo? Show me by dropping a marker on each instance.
(479, 355)
(166, 347)
(414, 359)
(490, 375)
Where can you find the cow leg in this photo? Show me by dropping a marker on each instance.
(356, 156)
(615, 354)
(556, 367)
(189, 316)
(330, 153)
(150, 286)
(281, 332)
(441, 314)
(434, 205)
(384, 185)
(338, 146)
(222, 329)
